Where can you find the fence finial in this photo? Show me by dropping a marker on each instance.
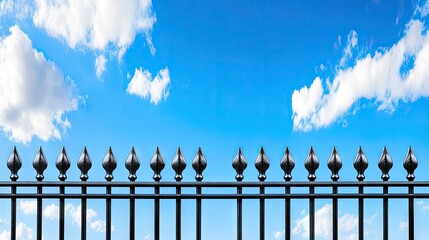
(385, 164)
(178, 164)
(262, 164)
(311, 164)
(40, 164)
(132, 164)
(63, 164)
(14, 164)
(335, 164)
(199, 164)
(109, 164)
(410, 164)
(157, 164)
(84, 164)
(287, 164)
(360, 164)
(239, 164)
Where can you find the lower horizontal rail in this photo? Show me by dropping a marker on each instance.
(217, 196)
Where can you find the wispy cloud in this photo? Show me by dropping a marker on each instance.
(28, 207)
(390, 75)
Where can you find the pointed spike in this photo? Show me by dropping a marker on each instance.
(199, 164)
(178, 164)
(84, 164)
(40, 164)
(63, 164)
(157, 164)
(14, 164)
(410, 164)
(262, 164)
(132, 164)
(287, 164)
(335, 164)
(311, 164)
(385, 163)
(239, 164)
(360, 164)
(109, 164)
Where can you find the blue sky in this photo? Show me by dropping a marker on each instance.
(220, 75)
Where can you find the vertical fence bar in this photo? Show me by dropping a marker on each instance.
(411, 214)
(132, 164)
(335, 164)
(287, 214)
(84, 164)
(385, 213)
(39, 212)
(335, 213)
(108, 213)
(198, 213)
(262, 214)
(178, 164)
(361, 213)
(287, 164)
(62, 214)
(199, 164)
(156, 213)
(312, 220)
(262, 164)
(132, 213)
(239, 214)
(311, 164)
(178, 214)
(13, 216)
(109, 164)
(83, 214)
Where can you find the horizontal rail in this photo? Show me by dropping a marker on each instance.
(293, 184)
(218, 196)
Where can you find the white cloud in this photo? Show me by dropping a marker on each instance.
(51, 212)
(144, 86)
(423, 206)
(380, 77)
(96, 24)
(323, 227)
(28, 207)
(75, 213)
(100, 65)
(100, 226)
(148, 237)
(23, 232)
(34, 95)
(19, 8)
(352, 40)
(403, 225)
(279, 234)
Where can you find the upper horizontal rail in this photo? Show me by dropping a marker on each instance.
(216, 184)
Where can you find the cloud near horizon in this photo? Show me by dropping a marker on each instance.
(389, 76)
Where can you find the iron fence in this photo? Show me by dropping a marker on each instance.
(199, 164)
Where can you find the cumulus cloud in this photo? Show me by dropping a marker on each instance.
(75, 213)
(96, 24)
(51, 212)
(144, 86)
(23, 232)
(28, 207)
(34, 94)
(100, 226)
(323, 228)
(424, 206)
(279, 234)
(388, 76)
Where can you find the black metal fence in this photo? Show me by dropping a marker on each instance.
(199, 163)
